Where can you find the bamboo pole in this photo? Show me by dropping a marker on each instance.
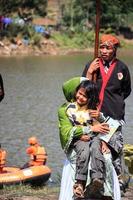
(97, 29)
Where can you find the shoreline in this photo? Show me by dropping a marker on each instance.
(49, 47)
(35, 51)
(56, 52)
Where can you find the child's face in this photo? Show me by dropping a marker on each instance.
(81, 97)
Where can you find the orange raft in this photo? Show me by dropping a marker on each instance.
(34, 175)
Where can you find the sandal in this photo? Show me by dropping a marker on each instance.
(78, 190)
(96, 186)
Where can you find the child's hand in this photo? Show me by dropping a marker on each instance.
(85, 138)
(104, 147)
(102, 128)
(94, 113)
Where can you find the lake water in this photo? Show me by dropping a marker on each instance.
(33, 93)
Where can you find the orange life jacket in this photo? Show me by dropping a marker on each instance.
(2, 158)
(39, 157)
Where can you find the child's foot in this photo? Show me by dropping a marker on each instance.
(78, 190)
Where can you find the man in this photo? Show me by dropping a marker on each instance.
(1, 88)
(2, 152)
(2, 159)
(37, 153)
(114, 84)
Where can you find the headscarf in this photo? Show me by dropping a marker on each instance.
(109, 40)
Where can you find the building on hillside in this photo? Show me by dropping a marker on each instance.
(53, 10)
(54, 13)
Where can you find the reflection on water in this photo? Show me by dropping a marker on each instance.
(33, 93)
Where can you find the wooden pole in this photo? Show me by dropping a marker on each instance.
(97, 29)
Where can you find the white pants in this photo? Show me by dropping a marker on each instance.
(68, 178)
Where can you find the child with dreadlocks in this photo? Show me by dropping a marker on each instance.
(83, 112)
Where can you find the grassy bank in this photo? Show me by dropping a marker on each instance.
(83, 40)
(22, 192)
(27, 192)
(79, 40)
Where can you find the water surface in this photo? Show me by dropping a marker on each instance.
(33, 93)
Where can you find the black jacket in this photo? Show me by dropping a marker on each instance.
(1, 88)
(116, 91)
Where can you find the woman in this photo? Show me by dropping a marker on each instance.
(67, 133)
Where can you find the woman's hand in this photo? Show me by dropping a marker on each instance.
(102, 128)
(85, 138)
(104, 147)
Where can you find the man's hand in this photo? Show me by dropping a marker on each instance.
(94, 66)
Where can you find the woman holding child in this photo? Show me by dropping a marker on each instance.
(79, 135)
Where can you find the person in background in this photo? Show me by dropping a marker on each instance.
(1, 88)
(114, 84)
(2, 159)
(38, 155)
(1, 22)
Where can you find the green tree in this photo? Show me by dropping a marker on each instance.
(76, 12)
(10, 6)
(113, 13)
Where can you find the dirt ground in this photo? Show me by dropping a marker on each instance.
(48, 197)
(127, 196)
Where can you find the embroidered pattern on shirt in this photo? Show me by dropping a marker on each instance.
(78, 116)
(120, 76)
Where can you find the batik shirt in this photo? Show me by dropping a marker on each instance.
(80, 115)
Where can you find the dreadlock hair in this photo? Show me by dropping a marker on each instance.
(91, 92)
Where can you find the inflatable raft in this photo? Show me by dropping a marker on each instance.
(34, 175)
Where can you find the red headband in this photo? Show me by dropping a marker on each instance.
(109, 40)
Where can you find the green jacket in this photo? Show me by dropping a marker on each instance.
(66, 130)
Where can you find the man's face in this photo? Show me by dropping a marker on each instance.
(107, 52)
